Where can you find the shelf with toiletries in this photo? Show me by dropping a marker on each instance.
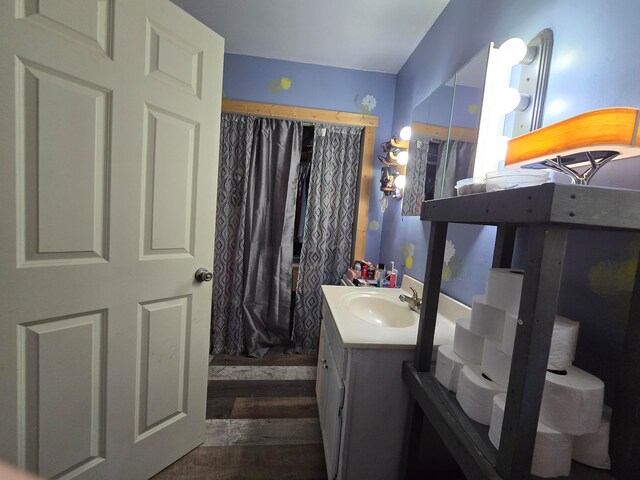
(549, 211)
(366, 274)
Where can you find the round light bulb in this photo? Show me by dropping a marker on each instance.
(513, 51)
(400, 181)
(405, 133)
(507, 100)
(402, 158)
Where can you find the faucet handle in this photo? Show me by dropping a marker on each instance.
(415, 294)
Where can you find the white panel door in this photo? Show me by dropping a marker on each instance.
(109, 133)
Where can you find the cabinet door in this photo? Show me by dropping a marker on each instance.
(331, 414)
(323, 350)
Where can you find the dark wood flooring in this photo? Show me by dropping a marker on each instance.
(259, 400)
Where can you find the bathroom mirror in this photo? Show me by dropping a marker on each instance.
(429, 134)
(444, 129)
(511, 78)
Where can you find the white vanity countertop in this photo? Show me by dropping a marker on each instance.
(357, 333)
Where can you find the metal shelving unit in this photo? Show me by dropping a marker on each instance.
(549, 211)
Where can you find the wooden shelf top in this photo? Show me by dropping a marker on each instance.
(574, 205)
(466, 439)
(609, 129)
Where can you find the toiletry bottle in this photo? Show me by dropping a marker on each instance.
(358, 269)
(380, 275)
(393, 273)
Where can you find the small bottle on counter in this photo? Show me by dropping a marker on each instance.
(380, 274)
(358, 269)
(392, 273)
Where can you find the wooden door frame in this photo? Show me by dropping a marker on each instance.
(368, 122)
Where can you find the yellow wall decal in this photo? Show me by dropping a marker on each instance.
(407, 254)
(612, 278)
(279, 84)
(452, 267)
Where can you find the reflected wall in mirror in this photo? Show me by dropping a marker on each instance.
(444, 131)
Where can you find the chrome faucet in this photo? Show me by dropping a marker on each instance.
(413, 301)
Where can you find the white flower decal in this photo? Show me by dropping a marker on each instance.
(449, 251)
(365, 105)
(369, 101)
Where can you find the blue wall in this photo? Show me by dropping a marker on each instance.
(594, 65)
(259, 80)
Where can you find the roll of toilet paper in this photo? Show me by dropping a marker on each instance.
(552, 449)
(572, 403)
(486, 321)
(563, 343)
(509, 333)
(495, 363)
(475, 394)
(497, 415)
(448, 366)
(593, 448)
(467, 344)
(563, 340)
(504, 287)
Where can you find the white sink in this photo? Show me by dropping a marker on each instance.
(376, 318)
(380, 310)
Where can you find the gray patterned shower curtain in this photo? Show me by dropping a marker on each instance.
(416, 175)
(257, 180)
(454, 163)
(328, 231)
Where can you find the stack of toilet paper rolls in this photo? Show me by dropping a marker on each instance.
(477, 368)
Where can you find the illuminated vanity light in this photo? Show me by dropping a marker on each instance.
(405, 133)
(402, 158)
(507, 100)
(400, 181)
(513, 51)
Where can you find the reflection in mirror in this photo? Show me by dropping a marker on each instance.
(463, 131)
(444, 130)
(429, 132)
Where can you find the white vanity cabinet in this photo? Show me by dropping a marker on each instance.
(362, 403)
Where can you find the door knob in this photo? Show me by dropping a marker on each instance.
(203, 275)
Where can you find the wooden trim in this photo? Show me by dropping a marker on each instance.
(442, 133)
(298, 113)
(369, 122)
(607, 129)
